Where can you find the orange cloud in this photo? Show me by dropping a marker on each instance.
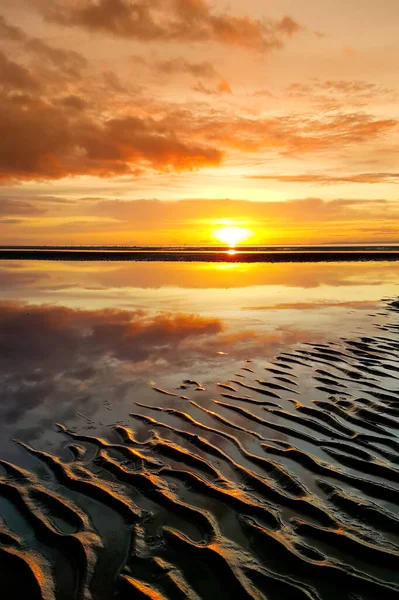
(180, 66)
(224, 87)
(326, 179)
(141, 222)
(15, 76)
(336, 91)
(71, 63)
(313, 209)
(311, 220)
(170, 20)
(74, 144)
(10, 32)
(95, 124)
(289, 134)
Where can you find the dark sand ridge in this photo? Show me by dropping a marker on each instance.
(284, 485)
(277, 254)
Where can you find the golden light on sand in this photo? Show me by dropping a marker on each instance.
(232, 235)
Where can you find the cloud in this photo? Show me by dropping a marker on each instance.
(10, 221)
(141, 222)
(223, 87)
(112, 80)
(326, 179)
(73, 101)
(169, 20)
(310, 220)
(288, 134)
(180, 65)
(10, 32)
(262, 93)
(16, 77)
(73, 144)
(15, 206)
(156, 213)
(348, 91)
(90, 123)
(71, 63)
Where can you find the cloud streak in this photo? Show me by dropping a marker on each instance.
(326, 179)
(169, 20)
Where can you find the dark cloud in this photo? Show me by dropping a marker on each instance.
(75, 102)
(177, 66)
(10, 221)
(10, 32)
(171, 20)
(112, 80)
(16, 206)
(70, 62)
(16, 77)
(223, 87)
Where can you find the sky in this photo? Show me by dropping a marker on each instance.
(199, 121)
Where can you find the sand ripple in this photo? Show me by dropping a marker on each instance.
(284, 485)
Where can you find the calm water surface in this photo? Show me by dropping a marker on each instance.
(81, 342)
(214, 429)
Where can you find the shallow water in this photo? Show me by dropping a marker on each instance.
(222, 429)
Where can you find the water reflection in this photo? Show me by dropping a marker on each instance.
(204, 407)
(151, 323)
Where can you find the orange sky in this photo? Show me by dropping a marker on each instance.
(163, 121)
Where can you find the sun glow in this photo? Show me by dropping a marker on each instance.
(232, 235)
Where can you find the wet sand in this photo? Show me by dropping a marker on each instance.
(285, 484)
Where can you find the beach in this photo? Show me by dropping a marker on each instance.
(199, 300)
(182, 429)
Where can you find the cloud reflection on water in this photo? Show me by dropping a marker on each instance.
(157, 324)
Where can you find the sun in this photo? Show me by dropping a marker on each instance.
(232, 235)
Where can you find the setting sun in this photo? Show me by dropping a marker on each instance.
(232, 235)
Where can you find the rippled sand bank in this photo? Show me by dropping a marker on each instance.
(283, 485)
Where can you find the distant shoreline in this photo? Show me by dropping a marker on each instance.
(271, 255)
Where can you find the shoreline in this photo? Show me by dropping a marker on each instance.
(239, 256)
